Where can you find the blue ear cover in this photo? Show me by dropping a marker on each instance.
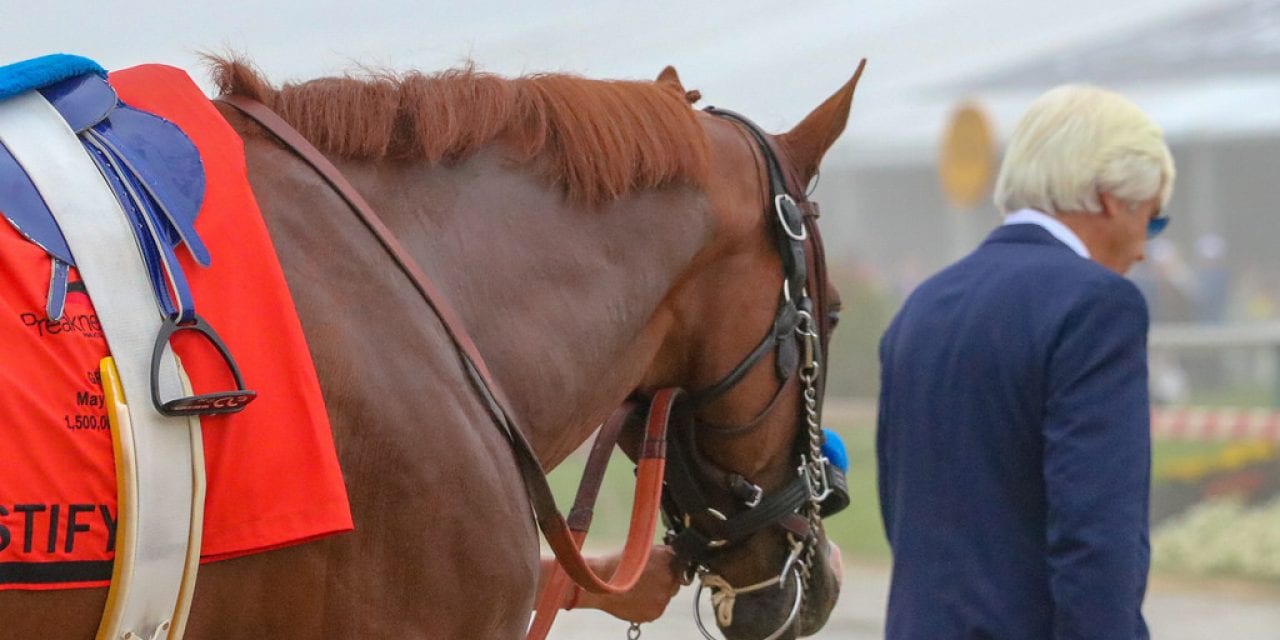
(833, 449)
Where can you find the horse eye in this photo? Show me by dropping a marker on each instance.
(833, 318)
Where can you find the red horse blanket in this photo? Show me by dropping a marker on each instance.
(273, 476)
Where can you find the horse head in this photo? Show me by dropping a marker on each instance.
(747, 483)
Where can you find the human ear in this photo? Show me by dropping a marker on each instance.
(1112, 206)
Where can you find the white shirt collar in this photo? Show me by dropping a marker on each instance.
(1051, 224)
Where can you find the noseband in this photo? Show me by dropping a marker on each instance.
(798, 337)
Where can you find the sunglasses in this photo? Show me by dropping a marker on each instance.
(1156, 225)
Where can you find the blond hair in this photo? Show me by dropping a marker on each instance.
(1076, 141)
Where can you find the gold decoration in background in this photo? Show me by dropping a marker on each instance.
(966, 157)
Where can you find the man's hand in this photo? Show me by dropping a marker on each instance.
(645, 601)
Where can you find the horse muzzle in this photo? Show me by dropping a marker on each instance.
(784, 607)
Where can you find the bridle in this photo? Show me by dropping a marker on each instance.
(798, 337)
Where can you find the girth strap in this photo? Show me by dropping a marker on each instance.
(151, 561)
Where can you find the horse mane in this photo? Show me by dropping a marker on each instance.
(597, 139)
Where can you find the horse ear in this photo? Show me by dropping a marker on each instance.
(810, 140)
(670, 78)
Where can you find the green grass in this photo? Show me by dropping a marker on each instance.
(1168, 456)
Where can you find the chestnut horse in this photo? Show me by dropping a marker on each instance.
(597, 239)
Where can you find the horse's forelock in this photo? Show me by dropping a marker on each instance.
(598, 139)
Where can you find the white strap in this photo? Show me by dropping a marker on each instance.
(106, 255)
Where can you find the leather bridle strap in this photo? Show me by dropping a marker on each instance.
(650, 470)
(557, 531)
(779, 338)
(552, 596)
(790, 232)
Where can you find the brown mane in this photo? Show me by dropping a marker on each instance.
(598, 139)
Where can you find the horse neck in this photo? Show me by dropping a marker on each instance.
(563, 301)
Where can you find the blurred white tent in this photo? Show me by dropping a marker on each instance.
(1202, 68)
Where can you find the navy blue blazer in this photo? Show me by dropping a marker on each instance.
(1014, 448)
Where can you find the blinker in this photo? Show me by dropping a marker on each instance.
(837, 456)
(833, 448)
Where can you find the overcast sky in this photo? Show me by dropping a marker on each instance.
(773, 60)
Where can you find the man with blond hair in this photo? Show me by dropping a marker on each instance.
(1013, 438)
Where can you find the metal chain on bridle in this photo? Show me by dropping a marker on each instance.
(814, 469)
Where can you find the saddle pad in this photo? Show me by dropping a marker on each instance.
(273, 475)
(40, 72)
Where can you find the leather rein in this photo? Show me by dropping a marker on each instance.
(554, 526)
(798, 336)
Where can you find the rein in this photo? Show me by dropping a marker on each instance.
(562, 536)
